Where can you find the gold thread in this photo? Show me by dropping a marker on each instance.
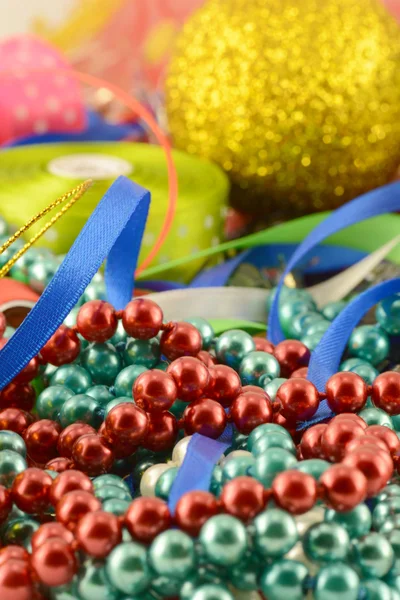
(73, 195)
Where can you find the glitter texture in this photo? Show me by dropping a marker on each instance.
(298, 100)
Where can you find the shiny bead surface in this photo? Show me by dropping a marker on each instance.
(387, 314)
(371, 462)
(172, 554)
(146, 518)
(337, 581)
(142, 352)
(17, 395)
(97, 533)
(194, 509)
(161, 433)
(255, 365)
(75, 505)
(346, 392)
(275, 533)
(206, 417)
(205, 328)
(127, 423)
(165, 482)
(191, 377)
(93, 584)
(69, 436)
(103, 363)
(299, 399)
(311, 445)
(375, 416)
(367, 372)
(68, 482)
(181, 339)
(74, 377)
(243, 498)
(265, 429)
(313, 466)
(15, 580)
(269, 464)
(155, 390)
(62, 348)
(142, 318)
(81, 408)
(386, 392)
(97, 321)
(294, 491)
(127, 568)
(41, 440)
(92, 455)
(284, 579)
(337, 435)
(150, 478)
(223, 539)
(100, 393)
(291, 355)
(385, 435)
(373, 555)
(11, 464)
(9, 440)
(344, 487)
(357, 522)
(249, 410)
(126, 379)
(50, 401)
(326, 542)
(30, 490)
(212, 591)
(232, 346)
(53, 562)
(51, 530)
(369, 343)
(224, 384)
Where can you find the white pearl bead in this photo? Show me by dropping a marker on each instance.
(179, 452)
(235, 453)
(150, 478)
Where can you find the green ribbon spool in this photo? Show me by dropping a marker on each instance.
(33, 176)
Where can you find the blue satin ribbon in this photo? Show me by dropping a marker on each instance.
(115, 229)
(377, 202)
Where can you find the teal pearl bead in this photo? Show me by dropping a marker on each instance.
(275, 533)
(206, 330)
(384, 510)
(396, 422)
(162, 366)
(101, 393)
(178, 408)
(142, 352)
(288, 310)
(326, 542)
(94, 584)
(376, 416)
(232, 346)
(114, 402)
(394, 540)
(9, 440)
(369, 343)
(81, 408)
(74, 377)
(285, 295)
(272, 387)
(20, 532)
(212, 591)
(269, 464)
(172, 554)
(357, 522)
(96, 290)
(302, 321)
(116, 506)
(390, 491)
(313, 466)
(109, 479)
(284, 580)
(40, 273)
(333, 309)
(109, 492)
(165, 587)
(366, 372)
(103, 363)
(337, 581)
(272, 440)
(164, 483)
(317, 327)
(312, 340)
(64, 592)
(246, 575)
(373, 555)
(235, 467)
(257, 364)
(127, 568)
(126, 378)
(50, 401)
(388, 314)
(216, 481)
(142, 465)
(377, 590)
(264, 429)
(120, 336)
(224, 540)
(11, 464)
(349, 363)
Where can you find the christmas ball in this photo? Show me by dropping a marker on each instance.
(298, 100)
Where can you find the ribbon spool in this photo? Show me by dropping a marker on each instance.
(37, 174)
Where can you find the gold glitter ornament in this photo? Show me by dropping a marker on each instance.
(298, 100)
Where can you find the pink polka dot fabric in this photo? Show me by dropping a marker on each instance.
(36, 103)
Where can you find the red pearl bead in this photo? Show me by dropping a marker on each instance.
(146, 517)
(301, 373)
(41, 440)
(310, 444)
(30, 490)
(13, 552)
(5, 503)
(263, 345)
(62, 348)
(59, 464)
(386, 435)
(127, 423)
(15, 581)
(386, 392)
(161, 434)
(294, 491)
(180, 339)
(28, 373)
(365, 440)
(224, 384)
(142, 318)
(155, 390)
(69, 481)
(370, 461)
(51, 530)
(3, 324)
(97, 321)
(17, 395)
(14, 419)
(299, 399)
(291, 355)
(249, 410)
(337, 435)
(69, 435)
(343, 487)
(97, 533)
(206, 358)
(346, 392)
(54, 562)
(191, 377)
(254, 388)
(193, 510)
(92, 455)
(350, 417)
(206, 417)
(243, 497)
(287, 424)
(75, 505)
